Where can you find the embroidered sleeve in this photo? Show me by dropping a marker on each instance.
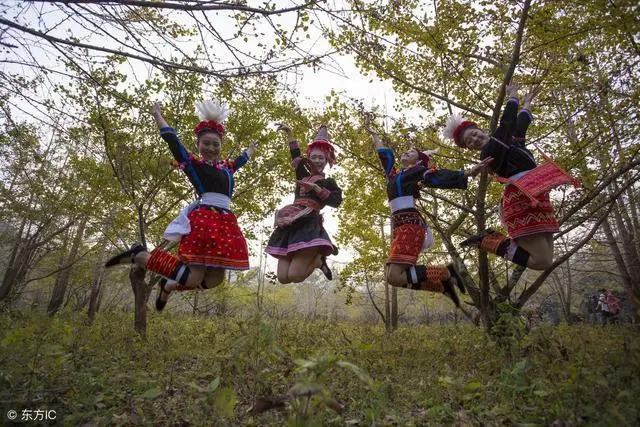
(331, 194)
(385, 155)
(177, 149)
(240, 161)
(445, 178)
(523, 121)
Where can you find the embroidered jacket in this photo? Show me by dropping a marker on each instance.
(204, 176)
(405, 182)
(330, 195)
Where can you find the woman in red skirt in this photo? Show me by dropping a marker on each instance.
(410, 233)
(210, 239)
(530, 225)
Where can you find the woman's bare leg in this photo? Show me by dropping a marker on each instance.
(540, 249)
(302, 264)
(213, 277)
(283, 270)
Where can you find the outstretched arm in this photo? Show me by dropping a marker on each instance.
(169, 134)
(156, 112)
(384, 154)
(375, 136)
(297, 160)
(291, 139)
(243, 158)
(445, 178)
(508, 119)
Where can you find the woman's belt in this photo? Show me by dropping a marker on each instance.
(218, 200)
(406, 217)
(298, 209)
(308, 203)
(400, 203)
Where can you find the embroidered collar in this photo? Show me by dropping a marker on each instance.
(219, 164)
(203, 161)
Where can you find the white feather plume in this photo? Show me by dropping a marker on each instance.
(213, 110)
(430, 152)
(453, 122)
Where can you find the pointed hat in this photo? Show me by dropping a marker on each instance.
(321, 142)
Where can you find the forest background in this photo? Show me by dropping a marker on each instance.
(84, 172)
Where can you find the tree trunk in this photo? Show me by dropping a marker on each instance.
(62, 278)
(632, 292)
(487, 306)
(633, 207)
(394, 307)
(195, 302)
(387, 299)
(567, 299)
(16, 272)
(141, 296)
(10, 273)
(631, 260)
(96, 284)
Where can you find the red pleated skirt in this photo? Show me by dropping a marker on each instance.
(215, 241)
(522, 218)
(406, 244)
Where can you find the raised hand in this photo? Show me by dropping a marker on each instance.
(156, 112)
(286, 130)
(479, 167)
(368, 119)
(156, 108)
(512, 90)
(253, 146)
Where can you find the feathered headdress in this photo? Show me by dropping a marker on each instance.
(425, 157)
(212, 114)
(321, 142)
(455, 127)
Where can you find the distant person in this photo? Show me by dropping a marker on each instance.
(608, 306)
(299, 240)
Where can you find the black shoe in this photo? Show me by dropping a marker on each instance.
(126, 257)
(450, 291)
(454, 273)
(325, 268)
(475, 240)
(160, 303)
(334, 250)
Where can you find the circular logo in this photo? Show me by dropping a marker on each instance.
(12, 415)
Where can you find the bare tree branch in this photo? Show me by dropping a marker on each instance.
(184, 6)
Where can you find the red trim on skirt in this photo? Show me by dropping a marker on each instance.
(406, 244)
(522, 218)
(215, 240)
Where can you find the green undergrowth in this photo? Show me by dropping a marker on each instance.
(232, 371)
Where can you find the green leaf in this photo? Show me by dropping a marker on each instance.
(225, 401)
(358, 371)
(473, 386)
(151, 393)
(213, 385)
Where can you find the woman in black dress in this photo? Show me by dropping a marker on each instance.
(299, 240)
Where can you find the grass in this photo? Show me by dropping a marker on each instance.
(212, 371)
